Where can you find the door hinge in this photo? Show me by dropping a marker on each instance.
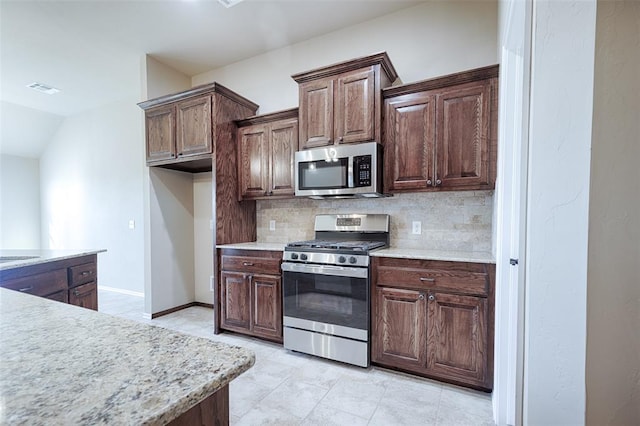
(513, 262)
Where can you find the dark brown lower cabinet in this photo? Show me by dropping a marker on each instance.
(72, 281)
(251, 293)
(434, 319)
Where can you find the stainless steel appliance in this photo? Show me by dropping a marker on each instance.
(340, 171)
(325, 287)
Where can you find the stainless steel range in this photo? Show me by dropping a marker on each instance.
(325, 282)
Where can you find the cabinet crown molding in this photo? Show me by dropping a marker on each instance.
(196, 91)
(380, 58)
(267, 118)
(444, 81)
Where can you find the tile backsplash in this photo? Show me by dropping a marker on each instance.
(459, 220)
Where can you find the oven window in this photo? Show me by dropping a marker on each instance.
(324, 174)
(328, 299)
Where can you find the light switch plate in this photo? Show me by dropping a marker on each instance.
(416, 227)
(132, 224)
(272, 225)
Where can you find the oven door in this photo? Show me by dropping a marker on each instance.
(326, 299)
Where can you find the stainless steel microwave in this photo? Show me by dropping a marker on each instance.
(340, 171)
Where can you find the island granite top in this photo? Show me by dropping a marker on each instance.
(62, 364)
(17, 258)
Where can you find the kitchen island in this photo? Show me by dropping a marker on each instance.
(61, 364)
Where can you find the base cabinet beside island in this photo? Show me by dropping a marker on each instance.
(434, 318)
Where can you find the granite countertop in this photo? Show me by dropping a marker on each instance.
(61, 364)
(254, 245)
(17, 258)
(452, 256)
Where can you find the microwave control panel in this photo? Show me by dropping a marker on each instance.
(362, 171)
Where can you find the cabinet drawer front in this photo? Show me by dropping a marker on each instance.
(85, 295)
(251, 264)
(82, 274)
(454, 281)
(39, 284)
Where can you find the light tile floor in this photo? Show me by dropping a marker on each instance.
(288, 388)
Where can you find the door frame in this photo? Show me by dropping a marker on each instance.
(511, 191)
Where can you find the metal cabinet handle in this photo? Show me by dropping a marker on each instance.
(26, 288)
(340, 139)
(432, 298)
(429, 182)
(85, 273)
(428, 280)
(247, 264)
(438, 182)
(421, 297)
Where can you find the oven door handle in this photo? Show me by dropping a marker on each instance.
(339, 271)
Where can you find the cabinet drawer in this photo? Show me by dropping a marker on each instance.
(261, 265)
(40, 284)
(82, 274)
(472, 283)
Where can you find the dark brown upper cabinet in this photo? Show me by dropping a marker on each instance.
(266, 151)
(441, 134)
(342, 103)
(181, 128)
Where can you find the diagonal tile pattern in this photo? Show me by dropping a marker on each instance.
(288, 388)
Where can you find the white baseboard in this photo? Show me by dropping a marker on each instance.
(121, 291)
(146, 316)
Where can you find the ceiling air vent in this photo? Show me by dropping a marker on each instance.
(49, 90)
(229, 3)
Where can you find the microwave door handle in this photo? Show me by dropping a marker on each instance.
(350, 183)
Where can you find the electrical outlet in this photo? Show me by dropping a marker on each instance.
(272, 225)
(211, 282)
(416, 227)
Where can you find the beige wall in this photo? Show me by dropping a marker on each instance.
(429, 40)
(613, 289)
(91, 181)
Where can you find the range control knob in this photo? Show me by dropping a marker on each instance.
(352, 259)
(303, 256)
(342, 259)
(294, 256)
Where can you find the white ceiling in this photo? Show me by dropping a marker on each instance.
(92, 50)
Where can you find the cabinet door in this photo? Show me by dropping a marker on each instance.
(354, 107)
(235, 301)
(267, 305)
(284, 144)
(457, 337)
(409, 142)
(193, 123)
(160, 131)
(85, 295)
(316, 113)
(462, 135)
(400, 328)
(253, 161)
